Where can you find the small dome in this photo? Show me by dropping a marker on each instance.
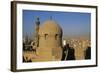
(50, 27)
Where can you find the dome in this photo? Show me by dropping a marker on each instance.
(50, 27)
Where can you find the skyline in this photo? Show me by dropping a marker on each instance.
(73, 24)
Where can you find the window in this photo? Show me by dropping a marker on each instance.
(46, 35)
(56, 36)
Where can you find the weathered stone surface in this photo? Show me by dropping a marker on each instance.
(50, 41)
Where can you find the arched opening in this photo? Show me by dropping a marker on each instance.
(46, 35)
(56, 36)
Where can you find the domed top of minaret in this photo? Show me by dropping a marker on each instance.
(50, 27)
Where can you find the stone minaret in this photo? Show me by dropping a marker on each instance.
(50, 41)
(37, 23)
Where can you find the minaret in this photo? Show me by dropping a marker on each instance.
(37, 23)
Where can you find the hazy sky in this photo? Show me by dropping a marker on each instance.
(73, 23)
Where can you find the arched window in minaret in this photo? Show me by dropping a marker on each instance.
(56, 36)
(45, 35)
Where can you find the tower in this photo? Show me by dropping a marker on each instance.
(37, 24)
(50, 41)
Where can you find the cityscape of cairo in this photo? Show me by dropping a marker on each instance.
(56, 36)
